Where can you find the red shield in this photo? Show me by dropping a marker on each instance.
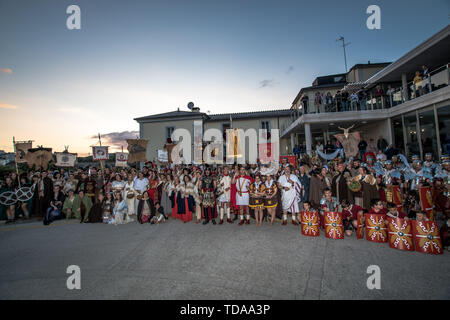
(310, 223)
(426, 201)
(400, 234)
(360, 226)
(376, 230)
(334, 229)
(427, 237)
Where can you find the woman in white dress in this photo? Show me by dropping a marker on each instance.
(118, 185)
(120, 210)
(130, 194)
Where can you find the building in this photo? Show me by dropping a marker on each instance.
(414, 116)
(384, 101)
(158, 128)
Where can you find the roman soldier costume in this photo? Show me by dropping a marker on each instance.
(208, 199)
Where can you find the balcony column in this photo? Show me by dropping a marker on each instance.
(308, 139)
(390, 136)
(405, 87)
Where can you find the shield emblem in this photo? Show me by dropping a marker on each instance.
(426, 237)
(334, 229)
(360, 226)
(376, 230)
(8, 198)
(400, 234)
(310, 223)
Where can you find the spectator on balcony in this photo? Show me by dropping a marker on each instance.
(362, 96)
(354, 101)
(382, 144)
(379, 96)
(329, 101)
(390, 96)
(425, 76)
(344, 95)
(318, 102)
(418, 84)
(338, 99)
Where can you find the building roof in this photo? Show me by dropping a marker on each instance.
(172, 114)
(181, 115)
(369, 65)
(251, 114)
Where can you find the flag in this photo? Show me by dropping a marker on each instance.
(121, 159)
(39, 157)
(137, 149)
(65, 159)
(100, 153)
(21, 151)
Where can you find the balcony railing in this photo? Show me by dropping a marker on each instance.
(369, 100)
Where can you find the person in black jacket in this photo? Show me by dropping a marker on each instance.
(146, 209)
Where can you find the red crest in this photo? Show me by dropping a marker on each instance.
(360, 226)
(376, 230)
(427, 237)
(310, 223)
(400, 234)
(334, 229)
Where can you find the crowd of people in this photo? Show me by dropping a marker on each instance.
(362, 99)
(233, 193)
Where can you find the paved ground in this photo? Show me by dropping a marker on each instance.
(190, 261)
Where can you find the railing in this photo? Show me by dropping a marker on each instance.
(435, 80)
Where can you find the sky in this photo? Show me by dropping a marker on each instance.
(134, 58)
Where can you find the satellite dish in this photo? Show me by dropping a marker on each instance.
(190, 105)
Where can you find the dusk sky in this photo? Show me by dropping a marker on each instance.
(135, 58)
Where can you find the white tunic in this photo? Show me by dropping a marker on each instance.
(242, 185)
(225, 183)
(290, 198)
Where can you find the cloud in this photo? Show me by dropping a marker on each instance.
(290, 69)
(7, 106)
(6, 70)
(267, 83)
(117, 140)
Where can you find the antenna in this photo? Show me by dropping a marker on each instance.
(343, 46)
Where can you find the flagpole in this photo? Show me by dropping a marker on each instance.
(102, 165)
(15, 162)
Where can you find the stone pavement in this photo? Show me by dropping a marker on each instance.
(191, 261)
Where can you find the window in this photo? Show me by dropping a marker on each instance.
(265, 125)
(169, 131)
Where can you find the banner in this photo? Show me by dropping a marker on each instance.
(39, 157)
(350, 143)
(330, 156)
(163, 156)
(426, 201)
(310, 223)
(100, 153)
(290, 159)
(376, 230)
(334, 229)
(427, 237)
(21, 151)
(65, 159)
(400, 234)
(137, 149)
(121, 159)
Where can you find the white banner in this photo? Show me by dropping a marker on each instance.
(65, 159)
(121, 159)
(163, 156)
(100, 153)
